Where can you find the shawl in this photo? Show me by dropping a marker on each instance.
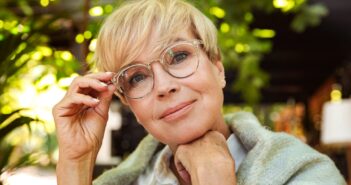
(272, 159)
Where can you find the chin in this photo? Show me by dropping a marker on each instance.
(189, 136)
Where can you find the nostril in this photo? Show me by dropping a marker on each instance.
(172, 90)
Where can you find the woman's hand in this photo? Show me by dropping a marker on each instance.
(206, 160)
(80, 119)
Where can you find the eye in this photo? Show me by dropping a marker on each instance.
(137, 79)
(179, 57)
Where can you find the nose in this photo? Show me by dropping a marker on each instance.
(164, 84)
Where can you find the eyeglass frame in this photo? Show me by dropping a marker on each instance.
(114, 80)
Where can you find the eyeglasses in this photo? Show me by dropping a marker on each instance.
(180, 60)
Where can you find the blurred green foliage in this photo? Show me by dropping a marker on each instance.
(244, 45)
(26, 28)
(26, 57)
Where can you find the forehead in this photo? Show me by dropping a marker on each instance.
(155, 45)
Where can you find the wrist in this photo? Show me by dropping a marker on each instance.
(77, 171)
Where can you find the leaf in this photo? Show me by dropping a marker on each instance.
(26, 8)
(5, 155)
(13, 125)
(309, 16)
(4, 117)
(25, 160)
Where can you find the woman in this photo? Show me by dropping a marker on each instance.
(164, 63)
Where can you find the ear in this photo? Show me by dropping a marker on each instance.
(220, 72)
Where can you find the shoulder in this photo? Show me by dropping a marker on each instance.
(133, 166)
(247, 128)
(278, 158)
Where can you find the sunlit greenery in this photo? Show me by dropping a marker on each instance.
(34, 74)
(32, 78)
(244, 46)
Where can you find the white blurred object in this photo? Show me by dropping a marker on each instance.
(114, 123)
(336, 122)
(30, 176)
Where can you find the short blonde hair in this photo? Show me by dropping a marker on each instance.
(125, 33)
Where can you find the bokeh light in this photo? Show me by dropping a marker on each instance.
(96, 11)
(263, 33)
(92, 45)
(87, 34)
(225, 28)
(217, 11)
(79, 38)
(44, 3)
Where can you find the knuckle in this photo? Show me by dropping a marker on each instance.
(75, 82)
(85, 84)
(181, 148)
(214, 134)
(208, 135)
(76, 79)
(54, 109)
(89, 73)
(56, 106)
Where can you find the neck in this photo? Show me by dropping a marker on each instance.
(222, 127)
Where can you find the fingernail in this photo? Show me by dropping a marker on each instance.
(109, 82)
(112, 87)
(103, 84)
(96, 100)
(109, 72)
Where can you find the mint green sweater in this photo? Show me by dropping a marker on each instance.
(272, 159)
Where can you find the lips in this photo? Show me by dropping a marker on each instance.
(176, 109)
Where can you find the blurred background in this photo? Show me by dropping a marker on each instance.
(287, 61)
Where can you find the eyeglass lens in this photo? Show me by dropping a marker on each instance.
(180, 61)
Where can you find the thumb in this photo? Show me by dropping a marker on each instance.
(183, 173)
(105, 100)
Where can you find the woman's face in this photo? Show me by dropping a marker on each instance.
(180, 110)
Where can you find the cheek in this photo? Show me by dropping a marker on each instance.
(209, 84)
(142, 114)
(209, 76)
(144, 118)
(211, 91)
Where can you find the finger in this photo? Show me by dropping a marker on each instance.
(70, 105)
(183, 173)
(102, 76)
(105, 100)
(81, 84)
